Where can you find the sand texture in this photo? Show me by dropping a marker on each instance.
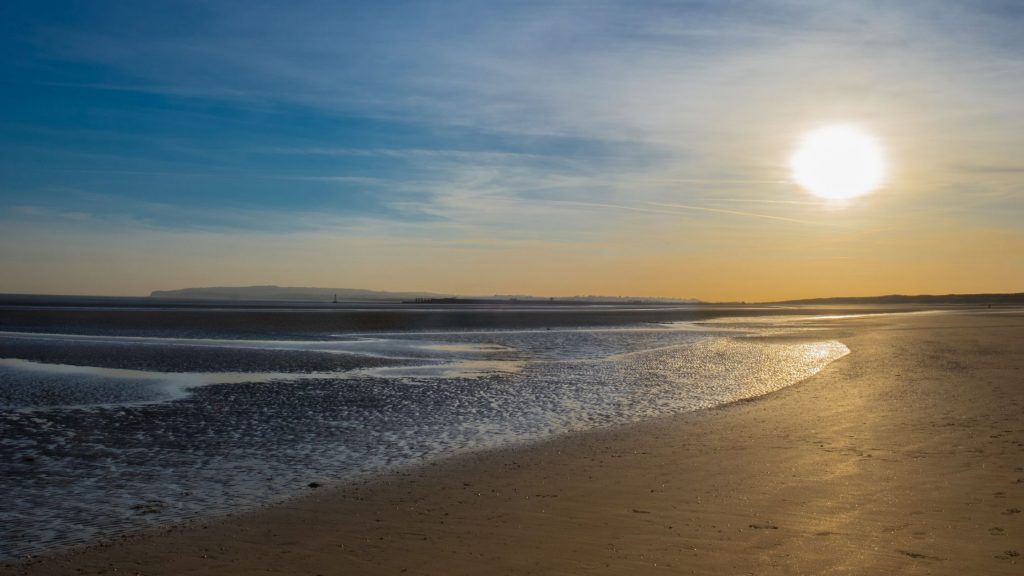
(906, 456)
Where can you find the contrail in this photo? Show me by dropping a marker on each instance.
(601, 205)
(762, 201)
(682, 207)
(712, 181)
(734, 213)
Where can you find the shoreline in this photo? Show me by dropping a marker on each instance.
(632, 487)
(747, 335)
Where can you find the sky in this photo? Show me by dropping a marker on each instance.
(550, 148)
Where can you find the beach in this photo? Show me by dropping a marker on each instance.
(904, 456)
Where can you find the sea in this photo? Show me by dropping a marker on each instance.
(118, 415)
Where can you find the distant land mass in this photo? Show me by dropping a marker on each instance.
(1012, 298)
(287, 293)
(265, 293)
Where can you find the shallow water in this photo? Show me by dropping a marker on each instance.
(114, 441)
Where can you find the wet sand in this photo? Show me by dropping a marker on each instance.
(906, 456)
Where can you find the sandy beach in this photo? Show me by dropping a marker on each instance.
(906, 456)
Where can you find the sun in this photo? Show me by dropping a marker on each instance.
(838, 162)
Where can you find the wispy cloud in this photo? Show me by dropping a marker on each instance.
(411, 153)
(364, 180)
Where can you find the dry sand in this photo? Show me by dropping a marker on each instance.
(906, 456)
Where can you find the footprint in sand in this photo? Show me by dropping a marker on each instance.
(918, 555)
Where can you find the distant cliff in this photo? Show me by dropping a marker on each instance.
(287, 293)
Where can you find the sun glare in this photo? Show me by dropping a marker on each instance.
(838, 162)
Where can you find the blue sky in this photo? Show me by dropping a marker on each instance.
(151, 145)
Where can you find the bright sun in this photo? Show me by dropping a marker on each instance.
(838, 162)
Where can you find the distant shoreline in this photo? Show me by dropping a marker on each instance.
(995, 298)
(322, 297)
(144, 316)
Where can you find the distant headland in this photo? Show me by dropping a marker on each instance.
(288, 293)
(265, 293)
